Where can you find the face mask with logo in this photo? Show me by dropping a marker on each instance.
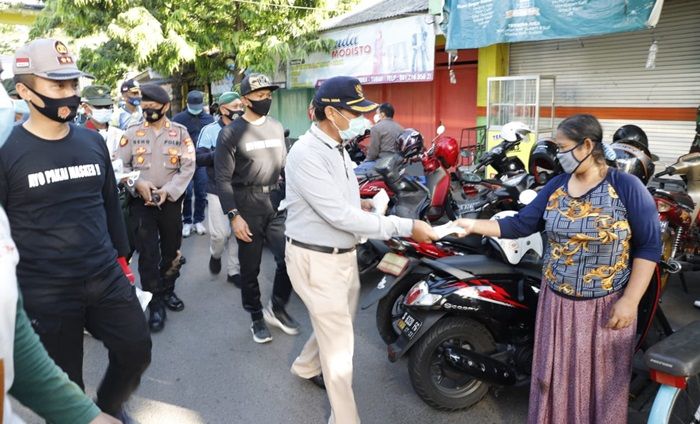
(568, 161)
(134, 101)
(234, 114)
(357, 127)
(7, 116)
(101, 115)
(194, 111)
(261, 107)
(152, 114)
(60, 110)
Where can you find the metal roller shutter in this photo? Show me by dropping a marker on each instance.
(609, 71)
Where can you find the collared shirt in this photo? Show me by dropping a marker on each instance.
(383, 139)
(124, 118)
(323, 197)
(164, 157)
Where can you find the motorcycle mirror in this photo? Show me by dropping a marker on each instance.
(527, 196)
(440, 129)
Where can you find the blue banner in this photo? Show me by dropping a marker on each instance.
(479, 23)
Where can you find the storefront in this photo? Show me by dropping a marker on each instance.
(391, 48)
(607, 76)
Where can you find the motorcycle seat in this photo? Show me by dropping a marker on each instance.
(478, 264)
(471, 242)
(678, 354)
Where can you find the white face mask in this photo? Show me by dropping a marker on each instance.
(376, 118)
(101, 115)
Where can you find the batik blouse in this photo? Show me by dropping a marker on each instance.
(591, 239)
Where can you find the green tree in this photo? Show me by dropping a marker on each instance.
(204, 39)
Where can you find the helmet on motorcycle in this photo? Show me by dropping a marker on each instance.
(631, 132)
(543, 163)
(513, 250)
(447, 151)
(409, 143)
(515, 131)
(634, 158)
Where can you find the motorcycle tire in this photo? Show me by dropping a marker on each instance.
(390, 308)
(439, 385)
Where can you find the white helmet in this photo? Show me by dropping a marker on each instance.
(513, 250)
(515, 131)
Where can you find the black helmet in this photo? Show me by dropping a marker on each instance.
(410, 143)
(543, 163)
(634, 158)
(631, 132)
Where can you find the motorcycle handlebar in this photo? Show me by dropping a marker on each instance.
(667, 171)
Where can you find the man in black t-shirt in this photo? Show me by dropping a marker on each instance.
(59, 191)
(249, 157)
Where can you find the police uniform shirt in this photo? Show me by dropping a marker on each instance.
(164, 157)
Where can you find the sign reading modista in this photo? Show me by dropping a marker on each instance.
(401, 50)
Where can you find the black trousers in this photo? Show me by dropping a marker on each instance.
(158, 239)
(267, 228)
(105, 305)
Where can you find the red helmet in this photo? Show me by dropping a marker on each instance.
(447, 151)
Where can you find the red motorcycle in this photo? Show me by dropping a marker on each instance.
(442, 155)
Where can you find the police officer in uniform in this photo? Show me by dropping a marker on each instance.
(164, 154)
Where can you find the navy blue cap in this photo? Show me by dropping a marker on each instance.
(155, 93)
(195, 98)
(130, 85)
(344, 93)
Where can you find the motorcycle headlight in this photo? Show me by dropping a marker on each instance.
(420, 295)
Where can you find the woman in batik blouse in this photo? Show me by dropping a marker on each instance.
(603, 243)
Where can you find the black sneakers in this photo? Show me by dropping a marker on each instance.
(278, 317)
(235, 280)
(261, 334)
(173, 302)
(214, 265)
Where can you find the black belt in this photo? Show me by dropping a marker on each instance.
(257, 188)
(322, 249)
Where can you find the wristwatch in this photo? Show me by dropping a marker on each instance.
(232, 214)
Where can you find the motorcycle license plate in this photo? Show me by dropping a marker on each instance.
(393, 264)
(409, 325)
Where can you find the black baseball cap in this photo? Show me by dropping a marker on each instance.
(195, 98)
(130, 85)
(255, 82)
(343, 93)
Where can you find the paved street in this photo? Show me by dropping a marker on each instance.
(207, 369)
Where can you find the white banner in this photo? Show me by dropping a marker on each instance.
(402, 50)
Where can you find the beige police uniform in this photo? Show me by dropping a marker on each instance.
(165, 157)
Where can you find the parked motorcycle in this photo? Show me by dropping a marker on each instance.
(468, 323)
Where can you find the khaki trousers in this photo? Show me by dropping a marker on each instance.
(329, 286)
(220, 235)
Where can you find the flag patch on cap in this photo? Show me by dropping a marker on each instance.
(23, 62)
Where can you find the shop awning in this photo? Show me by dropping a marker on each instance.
(478, 23)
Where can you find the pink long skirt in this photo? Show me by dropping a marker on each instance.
(581, 370)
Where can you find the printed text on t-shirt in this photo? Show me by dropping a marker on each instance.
(56, 175)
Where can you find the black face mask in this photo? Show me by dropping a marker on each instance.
(153, 115)
(261, 107)
(234, 114)
(59, 110)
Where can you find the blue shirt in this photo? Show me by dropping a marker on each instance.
(592, 239)
(193, 123)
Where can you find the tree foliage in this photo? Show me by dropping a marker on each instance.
(197, 37)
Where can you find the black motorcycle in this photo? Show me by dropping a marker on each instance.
(468, 323)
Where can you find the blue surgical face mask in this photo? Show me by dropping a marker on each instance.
(134, 101)
(357, 127)
(194, 111)
(21, 107)
(7, 116)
